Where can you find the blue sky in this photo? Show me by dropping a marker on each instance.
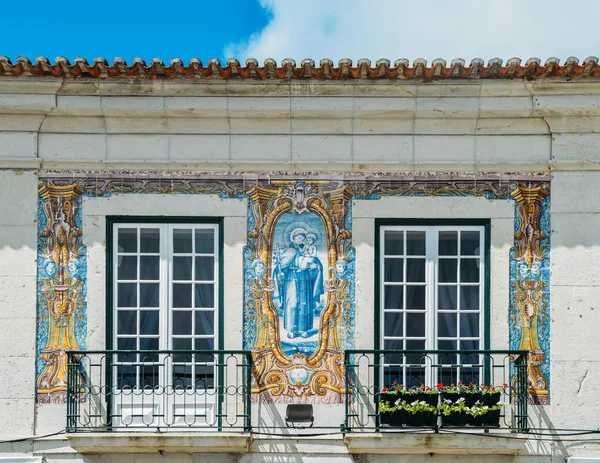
(301, 29)
(127, 28)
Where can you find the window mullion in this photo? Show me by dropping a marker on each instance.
(165, 289)
(431, 282)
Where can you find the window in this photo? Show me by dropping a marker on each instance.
(432, 297)
(165, 281)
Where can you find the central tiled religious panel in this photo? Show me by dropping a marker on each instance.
(298, 298)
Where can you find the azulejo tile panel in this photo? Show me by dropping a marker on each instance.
(299, 267)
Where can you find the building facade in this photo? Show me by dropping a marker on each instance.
(189, 250)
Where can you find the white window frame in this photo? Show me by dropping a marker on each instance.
(432, 259)
(177, 408)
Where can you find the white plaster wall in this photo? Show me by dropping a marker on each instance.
(18, 255)
(575, 296)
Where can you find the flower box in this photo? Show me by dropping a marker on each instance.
(404, 418)
(408, 408)
(491, 419)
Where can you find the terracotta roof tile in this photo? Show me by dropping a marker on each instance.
(326, 70)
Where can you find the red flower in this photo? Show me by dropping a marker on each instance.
(427, 389)
(440, 386)
(384, 389)
(471, 384)
(460, 383)
(482, 384)
(394, 383)
(452, 385)
(505, 385)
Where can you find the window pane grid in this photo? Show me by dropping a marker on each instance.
(447, 263)
(145, 288)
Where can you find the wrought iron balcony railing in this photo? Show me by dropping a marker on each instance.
(369, 371)
(210, 390)
(158, 390)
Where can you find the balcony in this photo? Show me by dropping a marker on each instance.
(159, 391)
(368, 372)
(172, 392)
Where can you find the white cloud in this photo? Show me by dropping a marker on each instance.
(424, 28)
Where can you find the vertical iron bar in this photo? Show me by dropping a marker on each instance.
(248, 394)
(377, 356)
(69, 395)
(220, 389)
(347, 396)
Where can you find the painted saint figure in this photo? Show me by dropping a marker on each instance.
(298, 276)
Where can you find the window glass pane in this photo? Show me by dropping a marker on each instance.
(127, 344)
(448, 270)
(205, 268)
(415, 243)
(205, 295)
(469, 344)
(415, 270)
(204, 344)
(415, 344)
(182, 295)
(127, 295)
(448, 243)
(205, 376)
(393, 297)
(182, 240)
(469, 243)
(182, 376)
(182, 344)
(394, 243)
(393, 270)
(182, 268)
(393, 324)
(126, 377)
(149, 268)
(205, 241)
(447, 325)
(149, 240)
(415, 375)
(149, 294)
(393, 344)
(205, 322)
(127, 268)
(149, 343)
(470, 359)
(127, 240)
(469, 298)
(448, 373)
(447, 297)
(415, 324)
(149, 376)
(469, 324)
(126, 322)
(469, 270)
(415, 297)
(447, 345)
(149, 357)
(149, 321)
(182, 322)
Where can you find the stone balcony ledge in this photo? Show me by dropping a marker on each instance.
(447, 443)
(151, 442)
